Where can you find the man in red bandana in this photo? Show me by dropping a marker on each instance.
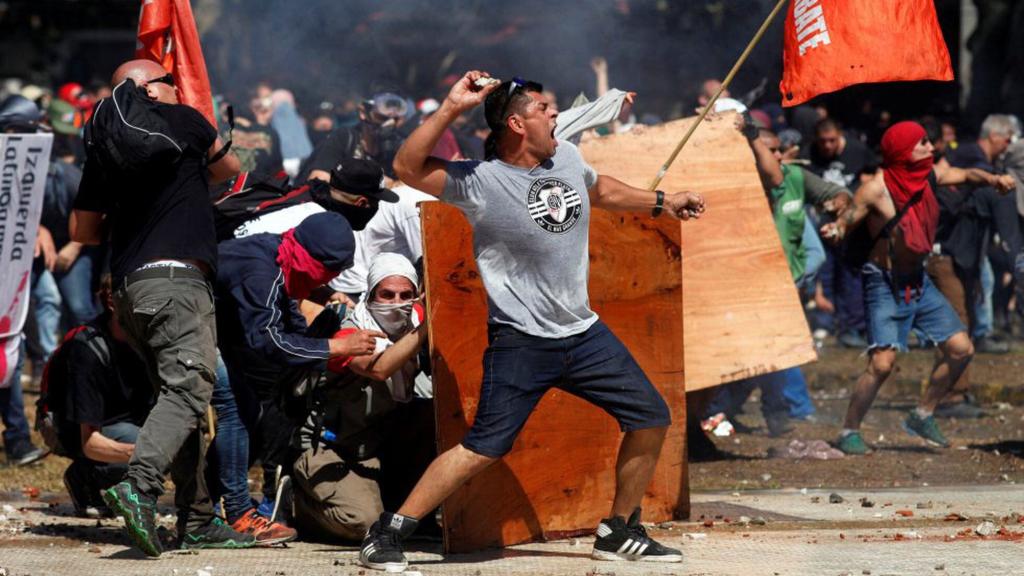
(900, 214)
(268, 347)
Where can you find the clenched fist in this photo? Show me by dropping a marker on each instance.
(685, 205)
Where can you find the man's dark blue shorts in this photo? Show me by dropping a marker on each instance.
(594, 365)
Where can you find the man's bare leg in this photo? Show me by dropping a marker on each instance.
(880, 365)
(955, 354)
(444, 475)
(638, 456)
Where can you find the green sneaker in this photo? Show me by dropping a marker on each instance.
(139, 513)
(925, 428)
(852, 444)
(216, 534)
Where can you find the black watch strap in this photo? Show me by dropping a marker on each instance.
(659, 203)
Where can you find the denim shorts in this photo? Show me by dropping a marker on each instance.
(890, 318)
(593, 365)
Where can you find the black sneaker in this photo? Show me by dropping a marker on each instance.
(778, 423)
(215, 534)
(139, 513)
(30, 455)
(382, 546)
(621, 540)
(85, 495)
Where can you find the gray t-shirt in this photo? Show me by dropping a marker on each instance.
(530, 238)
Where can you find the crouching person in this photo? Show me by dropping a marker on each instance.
(96, 396)
(367, 408)
(269, 346)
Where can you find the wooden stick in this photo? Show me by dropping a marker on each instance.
(711, 103)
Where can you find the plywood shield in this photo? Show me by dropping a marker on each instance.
(559, 477)
(742, 315)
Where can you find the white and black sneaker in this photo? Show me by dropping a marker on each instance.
(618, 539)
(382, 546)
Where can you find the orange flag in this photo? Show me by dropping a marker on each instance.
(832, 44)
(167, 34)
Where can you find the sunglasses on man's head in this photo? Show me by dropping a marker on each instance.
(515, 84)
(165, 79)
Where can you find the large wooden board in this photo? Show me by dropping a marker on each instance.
(742, 315)
(559, 477)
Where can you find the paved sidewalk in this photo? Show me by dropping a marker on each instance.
(913, 531)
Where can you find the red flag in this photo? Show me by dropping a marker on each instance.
(167, 34)
(832, 44)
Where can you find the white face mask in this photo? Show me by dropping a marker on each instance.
(393, 319)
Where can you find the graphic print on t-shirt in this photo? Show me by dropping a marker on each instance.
(554, 205)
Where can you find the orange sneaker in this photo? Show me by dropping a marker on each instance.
(265, 531)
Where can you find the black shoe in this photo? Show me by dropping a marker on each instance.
(989, 345)
(963, 410)
(778, 423)
(139, 513)
(215, 534)
(621, 540)
(29, 455)
(85, 495)
(382, 546)
(852, 339)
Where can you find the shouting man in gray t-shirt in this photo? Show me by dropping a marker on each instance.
(529, 204)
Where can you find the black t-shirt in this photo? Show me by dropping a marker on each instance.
(257, 147)
(844, 169)
(165, 215)
(337, 146)
(967, 215)
(101, 393)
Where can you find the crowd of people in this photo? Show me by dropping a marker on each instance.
(264, 288)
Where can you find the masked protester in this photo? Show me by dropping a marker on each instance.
(381, 131)
(892, 221)
(373, 418)
(268, 346)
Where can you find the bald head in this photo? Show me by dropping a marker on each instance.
(140, 71)
(143, 72)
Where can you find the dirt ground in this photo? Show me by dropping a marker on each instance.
(986, 451)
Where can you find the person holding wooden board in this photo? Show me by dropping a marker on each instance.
(529, 204)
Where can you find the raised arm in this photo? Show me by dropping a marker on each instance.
(612, 194)
(226, 167)
(768, 166)
(947, 175)
(413, 163)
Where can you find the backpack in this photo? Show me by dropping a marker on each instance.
(126, 135)
(61, 435)
(856, 249)
(250, 197)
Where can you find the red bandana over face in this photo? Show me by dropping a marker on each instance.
(904, 178)
(302, 272)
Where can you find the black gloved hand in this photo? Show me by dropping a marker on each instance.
(750, 130)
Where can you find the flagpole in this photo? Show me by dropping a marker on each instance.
(711, 103)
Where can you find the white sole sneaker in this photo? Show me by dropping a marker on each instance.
(390, 567)
(617, 557)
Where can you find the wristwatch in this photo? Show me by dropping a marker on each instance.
(659, 203)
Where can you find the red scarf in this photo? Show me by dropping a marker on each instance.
(302, 272)
(904, 178)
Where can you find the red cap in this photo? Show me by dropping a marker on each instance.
(74, 94)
